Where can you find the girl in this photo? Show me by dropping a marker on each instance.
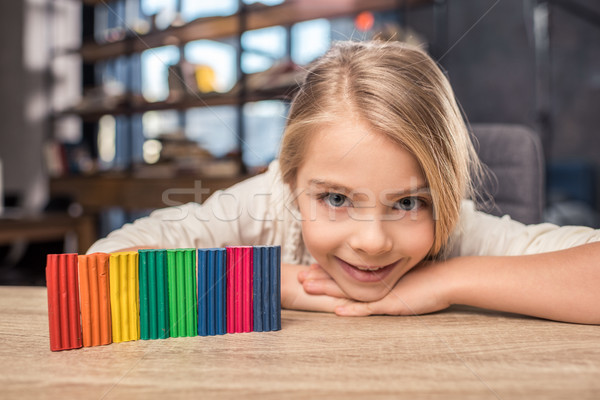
(370, 190)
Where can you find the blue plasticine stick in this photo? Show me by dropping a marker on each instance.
(211, 292)
(266, 289)
(258, 317)
(212, 260)
(220, 293)
(202, 291)
(278, 289)
(275, 288)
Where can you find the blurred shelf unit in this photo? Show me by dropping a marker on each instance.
(132, 193)
(129, 107)
(132, 184)
(252, 17)
(144, 186)
(257, 17)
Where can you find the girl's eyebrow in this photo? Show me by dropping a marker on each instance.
(344, 189)
(330, 185)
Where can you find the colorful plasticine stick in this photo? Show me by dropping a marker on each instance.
(267, 288)
(239, 289)
(275, 287)
(211, 292)
(124, 296)
(154, 299)
(183, 308)
(95, 299)
(63, 301)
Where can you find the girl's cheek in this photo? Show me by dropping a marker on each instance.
(420, 238)
(316, 232)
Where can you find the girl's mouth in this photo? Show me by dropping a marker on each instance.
(366, 273)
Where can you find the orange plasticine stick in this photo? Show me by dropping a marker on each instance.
(95, 308)
(84, 294)
(102, 261)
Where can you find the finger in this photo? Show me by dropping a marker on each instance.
(357, 309)
(360, 309)
(323, 286)
(308, 302)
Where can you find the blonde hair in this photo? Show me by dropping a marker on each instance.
(401, 92)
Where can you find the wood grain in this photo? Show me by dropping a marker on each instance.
(460, 353)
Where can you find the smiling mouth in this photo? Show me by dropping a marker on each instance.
(366, 273)
(369, 268)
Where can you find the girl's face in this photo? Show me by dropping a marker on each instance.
(367, 216)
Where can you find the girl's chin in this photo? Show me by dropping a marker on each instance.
(367, 294)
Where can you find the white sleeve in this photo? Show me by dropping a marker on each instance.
(482, 234)
(235, 216)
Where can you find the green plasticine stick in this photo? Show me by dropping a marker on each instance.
(162, 301)
(172, 284)
(182, 292)
(144, 300)
(180, 271)
(152, 317)
(154, 303)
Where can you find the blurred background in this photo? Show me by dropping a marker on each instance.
(112, 108)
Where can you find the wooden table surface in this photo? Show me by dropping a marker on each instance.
(460, 353)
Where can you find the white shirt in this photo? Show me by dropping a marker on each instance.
(261, 211)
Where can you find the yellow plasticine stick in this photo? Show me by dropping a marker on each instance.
(133, 301)
(124, 296)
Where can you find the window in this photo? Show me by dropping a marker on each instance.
(155, 72)
(262, 48)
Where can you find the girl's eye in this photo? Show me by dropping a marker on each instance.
(409, 203)
(336, 199)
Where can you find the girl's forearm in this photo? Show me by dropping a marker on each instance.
(562, 285)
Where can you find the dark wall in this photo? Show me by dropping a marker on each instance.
(490, 59)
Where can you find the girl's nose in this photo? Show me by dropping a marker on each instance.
(370, 237)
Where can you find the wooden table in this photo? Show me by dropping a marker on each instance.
(462, 353)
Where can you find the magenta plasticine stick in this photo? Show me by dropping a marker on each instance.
(230, 290)
(239, 289)
(238, 295)
(247, 286)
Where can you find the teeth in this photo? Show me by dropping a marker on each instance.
(368, 268)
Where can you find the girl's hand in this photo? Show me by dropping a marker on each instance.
(420, 291)
(293, 295)
(315, 280)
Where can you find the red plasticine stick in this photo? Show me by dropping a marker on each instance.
(238, 295)
(63, 301)
(239, 289)
(247, 287)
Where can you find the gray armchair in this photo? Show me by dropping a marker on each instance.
(514, 155)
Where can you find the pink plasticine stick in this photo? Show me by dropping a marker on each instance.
(247, 284)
